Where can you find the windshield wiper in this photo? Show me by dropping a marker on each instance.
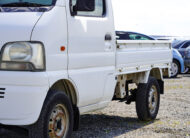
(22, 4)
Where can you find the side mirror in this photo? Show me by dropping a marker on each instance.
(84, 5)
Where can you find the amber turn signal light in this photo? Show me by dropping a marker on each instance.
(62, 48)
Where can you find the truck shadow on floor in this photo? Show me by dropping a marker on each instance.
(105, 126)
(12, 132)
(95, 126)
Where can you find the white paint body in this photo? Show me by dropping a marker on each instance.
(90, 63)
(144, 55)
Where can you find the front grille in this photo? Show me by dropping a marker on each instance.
(2, 92)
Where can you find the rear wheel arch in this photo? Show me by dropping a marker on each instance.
(158, 75)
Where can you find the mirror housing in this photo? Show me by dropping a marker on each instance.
(84, 5)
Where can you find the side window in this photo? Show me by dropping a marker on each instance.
(124, 36)
(186, 45)
(137, 37)
(98, 12)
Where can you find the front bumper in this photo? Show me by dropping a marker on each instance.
(21, 96)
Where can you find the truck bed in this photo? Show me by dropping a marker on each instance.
(141, 55)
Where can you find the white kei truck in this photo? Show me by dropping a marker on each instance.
(60, 59)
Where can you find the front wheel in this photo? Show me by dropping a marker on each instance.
(56, 119)
(148, 100)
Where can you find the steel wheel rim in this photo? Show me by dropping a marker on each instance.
(58, 122)
(174, 69)
(153, 99)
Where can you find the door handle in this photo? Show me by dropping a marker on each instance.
(108, 37)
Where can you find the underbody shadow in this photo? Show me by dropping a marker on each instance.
(12, 132)
(92, 126)
(106, 126)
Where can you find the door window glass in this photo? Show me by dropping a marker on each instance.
(98, 12)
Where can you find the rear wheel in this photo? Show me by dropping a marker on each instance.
(56, 119)
(175, 69)
(148, 100)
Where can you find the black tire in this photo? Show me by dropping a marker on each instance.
(175, 73)
(142, 100)
(54, 100)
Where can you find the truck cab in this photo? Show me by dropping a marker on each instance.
(60, 59)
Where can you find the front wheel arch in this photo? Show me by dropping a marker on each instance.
(67, 87)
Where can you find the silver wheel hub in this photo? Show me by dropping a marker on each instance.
(174, 69)
(58, 122)
(153, 99)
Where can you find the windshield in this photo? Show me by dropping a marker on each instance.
(32, 2)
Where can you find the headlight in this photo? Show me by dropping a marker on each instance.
(23, 56)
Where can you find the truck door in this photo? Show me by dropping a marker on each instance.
(91, 52)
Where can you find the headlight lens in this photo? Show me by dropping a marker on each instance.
(20, 52)
(27, 56)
